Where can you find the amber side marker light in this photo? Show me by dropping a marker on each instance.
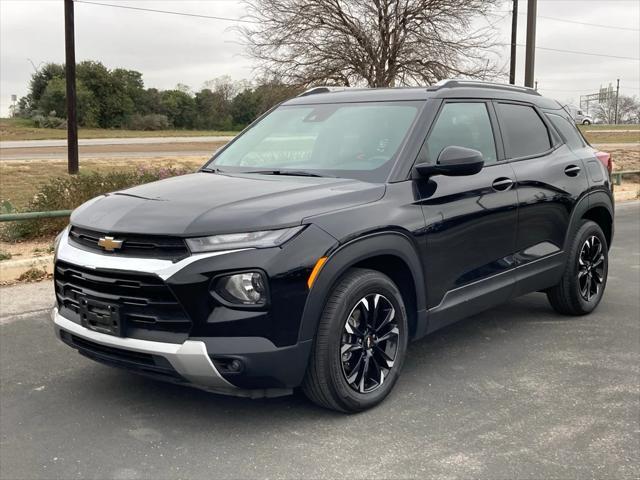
(316, 270)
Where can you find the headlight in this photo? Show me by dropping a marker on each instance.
(263, 239)
(248, 288)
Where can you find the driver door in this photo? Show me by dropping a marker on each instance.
(471, 221)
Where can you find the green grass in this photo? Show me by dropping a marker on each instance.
(23, 129)
(632, 126)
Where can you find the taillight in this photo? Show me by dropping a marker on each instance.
(605, 158)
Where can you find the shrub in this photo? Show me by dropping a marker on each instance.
(33, 275)
(153, 121)
(41, 121)
(67, 193)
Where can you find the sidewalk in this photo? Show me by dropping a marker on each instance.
(18, 301)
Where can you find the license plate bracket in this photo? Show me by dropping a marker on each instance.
(100, 316)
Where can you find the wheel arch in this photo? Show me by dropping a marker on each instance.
(598, 207)
(391, 253)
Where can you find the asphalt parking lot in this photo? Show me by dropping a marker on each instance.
(515, 392)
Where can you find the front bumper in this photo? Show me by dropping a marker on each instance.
(266, 342)
(190, 360)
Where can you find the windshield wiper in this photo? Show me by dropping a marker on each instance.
(212, 170)
(293, 173)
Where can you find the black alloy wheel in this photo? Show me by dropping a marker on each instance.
(582, 284)
(590, 268)
(369, 343)
(360, 344)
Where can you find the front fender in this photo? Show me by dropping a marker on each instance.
(385, 243)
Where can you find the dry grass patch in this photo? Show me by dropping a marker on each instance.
(21, 129)
(20, 180)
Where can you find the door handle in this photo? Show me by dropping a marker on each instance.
(502, 184)
(572, 170)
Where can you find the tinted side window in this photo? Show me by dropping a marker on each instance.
(567, 130)
(523, 130)
(463, 125)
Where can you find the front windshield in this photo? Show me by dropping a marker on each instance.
(352, 140)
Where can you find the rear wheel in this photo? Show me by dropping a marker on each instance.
(585, 277)
(360, 344)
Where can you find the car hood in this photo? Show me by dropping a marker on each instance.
(206, 203)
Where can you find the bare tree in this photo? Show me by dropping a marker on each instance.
(378, 43)
(628, 110)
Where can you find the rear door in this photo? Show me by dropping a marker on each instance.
(470, 220)
(596, 172)
(550, 179)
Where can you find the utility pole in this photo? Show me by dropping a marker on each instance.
(530, 48)
(70, 76)
(514, 39)
(617, 94)
(536, 87)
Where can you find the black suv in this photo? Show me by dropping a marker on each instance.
(336, 228)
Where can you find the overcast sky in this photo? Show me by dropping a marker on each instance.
(170, 49)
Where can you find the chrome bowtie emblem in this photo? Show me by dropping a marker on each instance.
(110, 244)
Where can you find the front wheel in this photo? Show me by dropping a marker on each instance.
(585, 277)
(586, 122)
(360, 345)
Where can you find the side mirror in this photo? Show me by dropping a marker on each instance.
(454, 162)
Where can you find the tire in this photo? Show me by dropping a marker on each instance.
(334, 379)
(586, 122)
(585, 277)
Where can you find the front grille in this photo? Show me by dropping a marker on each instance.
(144, 363)
(144, 301)
(141, 246)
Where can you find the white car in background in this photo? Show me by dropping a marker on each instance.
(578, 115)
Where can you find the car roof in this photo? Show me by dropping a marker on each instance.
(445, 89)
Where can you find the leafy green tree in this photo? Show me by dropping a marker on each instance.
(53, 97)
(179, 107)
(212, 111)
(117, 99)
(150, 102)
(245, 107)
(41, 78)
(53, 102)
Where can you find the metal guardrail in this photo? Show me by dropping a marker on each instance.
(617, 176)
(17, 217)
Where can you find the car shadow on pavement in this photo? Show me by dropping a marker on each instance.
(432, 355)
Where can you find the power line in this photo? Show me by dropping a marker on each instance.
(582, 53)
(183, 14)
(589, 24)
(614, 27)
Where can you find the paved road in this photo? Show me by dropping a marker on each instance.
(516, 392)
(29, 157)
(114, 141)
(110, 148)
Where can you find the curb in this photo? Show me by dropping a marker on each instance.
(625, 196)
(10, 270)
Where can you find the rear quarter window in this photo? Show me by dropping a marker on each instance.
(523, 131)
(567, 130)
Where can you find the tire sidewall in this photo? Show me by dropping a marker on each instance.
(374, 284)
(587, 230)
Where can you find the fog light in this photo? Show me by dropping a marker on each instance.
(242, 288)
(235, 365)
(228, 365)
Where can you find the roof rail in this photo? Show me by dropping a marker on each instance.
(326, 89)
(453, 83)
